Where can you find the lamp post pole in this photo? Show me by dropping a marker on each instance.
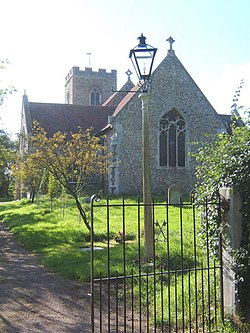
(147, 192)
(142, 57)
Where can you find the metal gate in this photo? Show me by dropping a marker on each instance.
(179, 290)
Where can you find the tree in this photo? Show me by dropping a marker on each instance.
(5, 91)
(29, 175)
(8, 147)
(226, 162)
(70, 158)
(54, 189)
(8, 153)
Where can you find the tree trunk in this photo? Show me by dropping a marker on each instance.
(32, 194)
(82, 212)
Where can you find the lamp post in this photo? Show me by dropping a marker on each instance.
(142, 57)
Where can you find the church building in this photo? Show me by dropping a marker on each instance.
(179, 116)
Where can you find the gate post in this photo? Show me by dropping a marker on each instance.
(233, 234)
(94, 197)
(92, 263)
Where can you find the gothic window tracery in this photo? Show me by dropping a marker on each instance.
(95, 96)
(172, 139)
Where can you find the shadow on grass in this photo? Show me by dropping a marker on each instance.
(7, 206)
(59, 244)
(13, 219)
(39, 228)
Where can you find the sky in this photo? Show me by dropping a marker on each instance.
(44, 39)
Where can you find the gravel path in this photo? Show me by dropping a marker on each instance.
(34, 300)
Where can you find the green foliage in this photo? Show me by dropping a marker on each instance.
(30, 175)
(8, 153)
(235, 325)
(5, 91)
(8, 148)
(69, 159)
(54, 188)
(226, 163)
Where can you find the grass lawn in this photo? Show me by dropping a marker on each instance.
(58, 235)
(53, 235)
(55, 232)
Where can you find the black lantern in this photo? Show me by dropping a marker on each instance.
(142, 57)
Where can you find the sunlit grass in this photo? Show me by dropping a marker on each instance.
(55, 232)
(55, 236)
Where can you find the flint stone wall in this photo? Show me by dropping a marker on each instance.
(78, 84)
(171, 87)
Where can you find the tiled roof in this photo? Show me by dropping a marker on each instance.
(67, 117)
(126, 99)
(118, 96)
(226, 119)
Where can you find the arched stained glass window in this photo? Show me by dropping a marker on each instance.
(95, 97)
(172, 140)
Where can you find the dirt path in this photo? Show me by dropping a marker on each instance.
(33, 300)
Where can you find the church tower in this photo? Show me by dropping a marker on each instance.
(87, 87)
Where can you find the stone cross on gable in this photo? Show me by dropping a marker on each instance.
(171, 41)
(129, 73)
